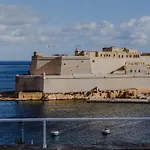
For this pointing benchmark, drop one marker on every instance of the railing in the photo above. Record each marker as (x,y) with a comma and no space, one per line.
(44,120)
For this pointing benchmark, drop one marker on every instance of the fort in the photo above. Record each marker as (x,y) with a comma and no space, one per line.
(113,68)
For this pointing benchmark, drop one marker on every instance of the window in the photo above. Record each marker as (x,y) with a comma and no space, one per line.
(96,54)
(130,56)
(134,70)
(139,71)
(101,55)
(122,56)
(93,60)
(82,61)
(64,64)
(130,71)
(114,55)
(127,56)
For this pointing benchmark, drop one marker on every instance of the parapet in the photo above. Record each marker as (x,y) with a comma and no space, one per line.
(119,50)
(145,54)
(38,54)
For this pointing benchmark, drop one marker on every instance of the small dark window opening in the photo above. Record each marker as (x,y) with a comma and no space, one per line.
(93,60)
(114,55)
(134,70)
(109,55)
(122,56)
(139,71)
(130,56)
(77,66)
(127,56)
(82,61)
(131,71)
(64,64)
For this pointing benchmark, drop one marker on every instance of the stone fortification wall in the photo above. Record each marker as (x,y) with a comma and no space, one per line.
(67,65)
(29,83)
(79,83)
(105,66)
(48,65)
(75,65)
(60,65)
(85,83)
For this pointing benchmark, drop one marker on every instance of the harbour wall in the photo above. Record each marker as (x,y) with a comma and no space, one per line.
(29,83)
(79,83)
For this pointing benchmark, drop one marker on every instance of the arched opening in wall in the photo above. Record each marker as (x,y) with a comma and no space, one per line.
(101,55)
(130,56)
(82,61)
(119,56)
(93,61)
(77,66)
(134,70)
(64,64)
(130,71)
(139,71)
(104,55)
(109,55)
(114,55)
(122,56)
(127,56)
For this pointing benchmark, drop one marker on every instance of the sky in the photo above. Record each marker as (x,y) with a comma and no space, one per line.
(61,26)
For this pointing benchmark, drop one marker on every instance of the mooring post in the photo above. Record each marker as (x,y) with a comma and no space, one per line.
(44,134)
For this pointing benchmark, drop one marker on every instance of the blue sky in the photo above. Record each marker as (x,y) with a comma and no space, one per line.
(30,25)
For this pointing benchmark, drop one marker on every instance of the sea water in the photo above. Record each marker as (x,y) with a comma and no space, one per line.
(89,132)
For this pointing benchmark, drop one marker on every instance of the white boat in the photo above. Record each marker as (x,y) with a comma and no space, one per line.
(55,133)
(105,132)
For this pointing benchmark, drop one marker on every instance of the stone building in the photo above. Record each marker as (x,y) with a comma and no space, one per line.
(112,68)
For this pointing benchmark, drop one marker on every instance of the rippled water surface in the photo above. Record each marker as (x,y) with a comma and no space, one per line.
(75,132)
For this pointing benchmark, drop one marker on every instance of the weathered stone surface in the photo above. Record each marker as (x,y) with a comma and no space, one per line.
(92,94)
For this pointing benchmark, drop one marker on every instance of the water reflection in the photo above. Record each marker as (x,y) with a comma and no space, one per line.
(75,132)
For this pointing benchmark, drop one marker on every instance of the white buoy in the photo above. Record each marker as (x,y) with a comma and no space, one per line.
(105,132)
(55,133)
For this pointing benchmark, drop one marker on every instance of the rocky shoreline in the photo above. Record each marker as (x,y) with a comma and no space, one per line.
(94,95)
